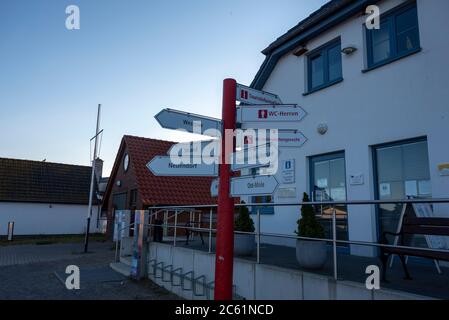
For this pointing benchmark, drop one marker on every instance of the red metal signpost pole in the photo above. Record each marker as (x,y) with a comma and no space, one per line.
(224,257)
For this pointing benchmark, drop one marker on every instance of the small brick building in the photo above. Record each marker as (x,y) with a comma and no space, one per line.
(132,186)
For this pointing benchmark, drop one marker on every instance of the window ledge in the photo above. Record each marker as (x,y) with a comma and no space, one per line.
(386,62)
(327,85)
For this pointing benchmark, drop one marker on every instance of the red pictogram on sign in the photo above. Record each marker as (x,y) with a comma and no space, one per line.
(263,114)
(244,94)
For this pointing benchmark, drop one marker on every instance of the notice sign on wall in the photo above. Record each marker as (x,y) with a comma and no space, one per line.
(288,171)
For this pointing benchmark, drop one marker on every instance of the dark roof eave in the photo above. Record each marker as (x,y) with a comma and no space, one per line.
(94,203)
(285,44)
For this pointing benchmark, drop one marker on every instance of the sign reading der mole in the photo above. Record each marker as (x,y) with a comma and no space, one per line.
(253,186)
(180,120)
(162,166)
(252,96)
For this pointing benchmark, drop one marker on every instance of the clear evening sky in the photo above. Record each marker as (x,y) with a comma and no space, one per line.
(135,57)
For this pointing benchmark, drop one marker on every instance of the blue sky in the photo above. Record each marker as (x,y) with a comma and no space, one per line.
(135,57)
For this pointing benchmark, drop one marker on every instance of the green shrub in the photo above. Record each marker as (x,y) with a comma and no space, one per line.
(308,225)
(244,223)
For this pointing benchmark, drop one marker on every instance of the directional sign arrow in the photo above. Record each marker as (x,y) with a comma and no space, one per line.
(162,166)
(194,123)
(195,148)
(249,95)
(249,158)
(270,113)
(285,139)
(289,139)
(252,186)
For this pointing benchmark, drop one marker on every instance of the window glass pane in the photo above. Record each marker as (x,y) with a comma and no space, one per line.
(334,57)
(262,210)
(406,21)
(411,188)
(389,164)
(337,179)
(317,70)
(402,170)
(381,43)
(416,161)
(329,184)
(424,188)
(322,181)
(407,41)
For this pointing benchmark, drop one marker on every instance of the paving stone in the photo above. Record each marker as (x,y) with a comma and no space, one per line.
(29,272)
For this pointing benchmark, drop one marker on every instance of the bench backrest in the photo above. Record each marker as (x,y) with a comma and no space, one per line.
(426,226)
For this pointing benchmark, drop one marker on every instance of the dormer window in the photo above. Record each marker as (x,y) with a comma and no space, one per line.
(324,66)
(397,37)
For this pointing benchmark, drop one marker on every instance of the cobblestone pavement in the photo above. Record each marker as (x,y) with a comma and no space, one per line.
(24,254)
(29,273)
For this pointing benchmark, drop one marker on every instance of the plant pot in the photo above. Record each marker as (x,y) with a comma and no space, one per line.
(244,244)
(311,254)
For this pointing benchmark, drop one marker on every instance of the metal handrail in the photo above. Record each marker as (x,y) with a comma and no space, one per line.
(329,203)
(258,234)
(281,235)
(334,240)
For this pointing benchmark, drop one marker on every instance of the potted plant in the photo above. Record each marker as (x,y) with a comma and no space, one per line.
(310,254)
(244,243)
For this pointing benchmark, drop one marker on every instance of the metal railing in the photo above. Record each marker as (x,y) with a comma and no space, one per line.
(258,234)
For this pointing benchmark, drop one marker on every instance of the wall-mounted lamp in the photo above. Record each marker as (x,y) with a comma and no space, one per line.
(300,51)
(349,50)
(322,128)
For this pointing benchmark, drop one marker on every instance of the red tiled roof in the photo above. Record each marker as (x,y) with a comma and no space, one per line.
(156,190)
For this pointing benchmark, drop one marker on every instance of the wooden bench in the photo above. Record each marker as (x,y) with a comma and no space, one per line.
(414,226)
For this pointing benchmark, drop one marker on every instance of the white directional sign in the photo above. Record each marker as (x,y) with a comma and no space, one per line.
(285,139)
(176,120)
(195,148)
(214,188)
(249,158)
(270,113)
(252,186)
(252,96)
(162,166)
(290,139)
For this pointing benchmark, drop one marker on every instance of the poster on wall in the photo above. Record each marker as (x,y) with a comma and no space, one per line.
(385,190)
(288,171)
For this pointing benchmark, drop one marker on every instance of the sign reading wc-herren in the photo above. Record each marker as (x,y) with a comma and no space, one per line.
(270,113)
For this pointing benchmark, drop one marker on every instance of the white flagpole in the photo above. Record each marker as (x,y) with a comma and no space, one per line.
(92,179)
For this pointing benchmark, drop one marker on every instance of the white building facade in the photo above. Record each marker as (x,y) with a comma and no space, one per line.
(385,107)
(43,198)
(47,219)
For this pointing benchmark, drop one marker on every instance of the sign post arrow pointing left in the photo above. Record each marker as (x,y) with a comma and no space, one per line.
(190,122)
(162,166)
